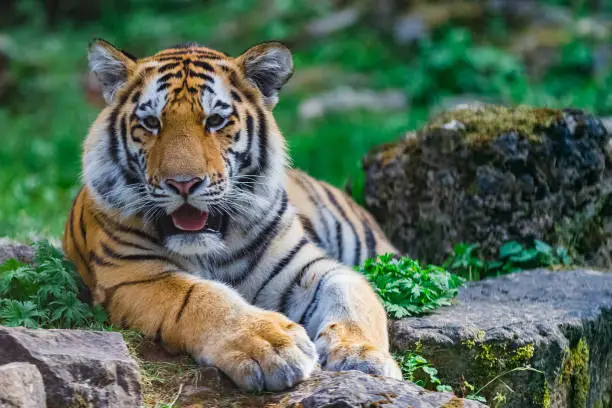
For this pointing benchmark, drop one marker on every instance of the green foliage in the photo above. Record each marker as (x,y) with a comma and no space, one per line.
(417,369)
(45,294)
(513,257)
(407,288)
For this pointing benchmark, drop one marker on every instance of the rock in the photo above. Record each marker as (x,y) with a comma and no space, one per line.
(345,98)
(324,389)
(79,368)
(489,174)
(336,21)
(21,386)
(13,250)
(558,322)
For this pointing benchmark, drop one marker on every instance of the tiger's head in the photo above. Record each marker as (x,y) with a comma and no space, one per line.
(187,138)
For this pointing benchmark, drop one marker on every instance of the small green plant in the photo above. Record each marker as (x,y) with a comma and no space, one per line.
(45,294)
(513,257)
(499,399)
(407,288)
(417,369)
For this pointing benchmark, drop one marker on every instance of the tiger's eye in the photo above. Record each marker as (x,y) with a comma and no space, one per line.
(151,123)
(215,120)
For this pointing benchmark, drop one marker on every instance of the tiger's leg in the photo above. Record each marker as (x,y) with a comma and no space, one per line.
(257,349)
(344,317)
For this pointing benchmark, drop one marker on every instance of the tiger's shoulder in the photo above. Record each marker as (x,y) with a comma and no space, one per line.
(334,221)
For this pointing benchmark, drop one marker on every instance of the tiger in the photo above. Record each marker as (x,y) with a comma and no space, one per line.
(192,228)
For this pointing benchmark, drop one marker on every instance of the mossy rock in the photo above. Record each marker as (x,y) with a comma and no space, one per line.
(491,174)
(541,339)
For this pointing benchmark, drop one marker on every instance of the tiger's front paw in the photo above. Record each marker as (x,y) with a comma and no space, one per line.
(266,351)
(339,353)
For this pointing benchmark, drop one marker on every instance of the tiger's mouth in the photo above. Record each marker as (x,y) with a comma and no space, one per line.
(188,219)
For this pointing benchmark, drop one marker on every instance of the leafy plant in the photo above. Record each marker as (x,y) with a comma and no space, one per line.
(407,288)
(417,369)
(45,294)
(513,257)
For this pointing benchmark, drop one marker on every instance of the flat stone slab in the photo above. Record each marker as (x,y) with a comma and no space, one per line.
(78,367)
(347,389)
(558,322)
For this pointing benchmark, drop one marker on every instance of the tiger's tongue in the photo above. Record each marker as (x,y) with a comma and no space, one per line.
(188,218)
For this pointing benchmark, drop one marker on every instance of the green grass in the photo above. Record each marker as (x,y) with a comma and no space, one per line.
(45,115)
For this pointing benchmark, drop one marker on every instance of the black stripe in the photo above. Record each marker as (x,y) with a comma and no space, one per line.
(116,239)
(204,65)
(124,135)
(369,238)
(312,306)
(296,281)
(163,86)
(336,204)
(113,145)
(222,104)
(261,238)
(93,257)
(128,230)
(280,266)
(110,292)
(310,230)
(136,257)
(314,197)
(185,301)
(168,76)
(245,156)
(236,96)
(339,240)
(263,140)
(179,54)
(82,228)
(200,75)
(136,97)
(168,67)
(114,142)
(209,89)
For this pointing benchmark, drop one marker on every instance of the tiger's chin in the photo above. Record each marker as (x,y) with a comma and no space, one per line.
(203,243)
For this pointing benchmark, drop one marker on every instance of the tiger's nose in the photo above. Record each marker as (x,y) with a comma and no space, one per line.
(184,188)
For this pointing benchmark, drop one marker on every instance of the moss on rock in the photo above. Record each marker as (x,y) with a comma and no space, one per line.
(485,124)
(493,174)
(576,373)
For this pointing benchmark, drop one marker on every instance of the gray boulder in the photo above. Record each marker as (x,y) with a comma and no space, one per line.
(79,368)
(21,386)
(491,174)
(347,389)
(559,323)
(13,250)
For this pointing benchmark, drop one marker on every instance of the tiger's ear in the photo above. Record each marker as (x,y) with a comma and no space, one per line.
(268,66)
(111,66)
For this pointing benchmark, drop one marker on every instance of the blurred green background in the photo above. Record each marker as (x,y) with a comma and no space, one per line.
(366,72)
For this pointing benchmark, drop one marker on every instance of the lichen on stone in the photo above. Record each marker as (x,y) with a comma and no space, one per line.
(576,373)
(497,357)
